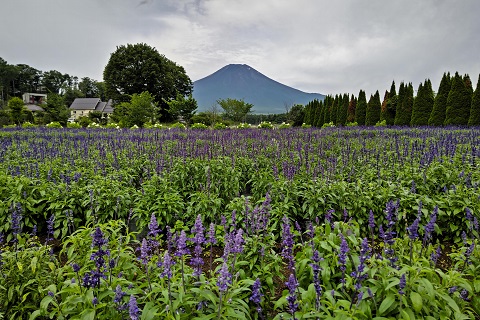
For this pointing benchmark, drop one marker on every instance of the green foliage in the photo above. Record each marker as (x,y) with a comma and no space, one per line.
(137,68)
(26,272)
(474,119)
(84,121)
(74,125)
(373,110)
(199,126)
(140,110)
(459,101)
(234,109)
(55,110)
(182,107)
(28,125)
(437,117)
(423,104)
(361,109)
(97,117)
(403,114)
(178,125)
(296,115)
(221,126)
(262,176)
(54,125)
(16,110)
(239,126)
(343,110)
(202,117)
(112,125)
(328,125)
(265,125)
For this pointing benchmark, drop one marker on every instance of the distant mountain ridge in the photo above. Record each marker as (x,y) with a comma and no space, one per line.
(240,81)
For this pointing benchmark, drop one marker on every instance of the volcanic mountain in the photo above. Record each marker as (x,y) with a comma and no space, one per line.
(239,81)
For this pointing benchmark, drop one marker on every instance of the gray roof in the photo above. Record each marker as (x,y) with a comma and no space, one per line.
(34,107)
(85,103)
(94,104)
(108,107)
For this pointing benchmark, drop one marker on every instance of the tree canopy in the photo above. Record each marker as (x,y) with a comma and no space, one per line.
(139,110)
(234,109)
(183,107)
(136,68)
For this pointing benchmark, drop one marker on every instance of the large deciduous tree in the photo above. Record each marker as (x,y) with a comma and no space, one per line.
(235,109)
(136,68)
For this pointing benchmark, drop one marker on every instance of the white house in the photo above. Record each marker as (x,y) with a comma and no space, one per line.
(81,107)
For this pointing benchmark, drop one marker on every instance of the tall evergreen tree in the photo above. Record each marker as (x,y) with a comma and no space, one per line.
(352,105)
(474,119)
(423,104)
(437,117)
(404,105)
(400,97)
(388,112)
(373,110)
(334,110)
(327,106)
(459,101)
(342,110)
(309,113)
(361,110)
(383,110)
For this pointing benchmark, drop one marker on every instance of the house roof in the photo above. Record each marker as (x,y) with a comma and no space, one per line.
(108,107)
(85,104)
(93,104)
(34,107)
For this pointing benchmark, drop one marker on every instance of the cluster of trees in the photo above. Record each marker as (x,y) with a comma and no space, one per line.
(455,103)
(61,88)
(21,78)
(138,69)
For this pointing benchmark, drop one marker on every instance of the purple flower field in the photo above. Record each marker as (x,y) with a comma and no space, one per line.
(332,223)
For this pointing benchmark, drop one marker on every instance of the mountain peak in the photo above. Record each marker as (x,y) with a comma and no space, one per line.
(240,81)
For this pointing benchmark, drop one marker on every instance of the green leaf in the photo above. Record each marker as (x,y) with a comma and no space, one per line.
(417,301)
(88,314)
(33,264)
(394,282)
(450,302)
(404,315)
(149,311)
(45,302)
(35,314)
(386,304)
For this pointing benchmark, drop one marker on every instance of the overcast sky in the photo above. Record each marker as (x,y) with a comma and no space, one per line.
(321,46)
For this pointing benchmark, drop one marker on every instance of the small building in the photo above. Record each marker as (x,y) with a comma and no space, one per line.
(34,98)
(33,101)
(81,107)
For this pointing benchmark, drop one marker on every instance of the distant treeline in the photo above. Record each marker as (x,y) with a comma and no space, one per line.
(455,103)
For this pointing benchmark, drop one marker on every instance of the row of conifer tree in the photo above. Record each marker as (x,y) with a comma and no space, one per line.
(455,103)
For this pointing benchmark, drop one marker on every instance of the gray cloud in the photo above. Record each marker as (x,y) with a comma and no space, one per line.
(316,46)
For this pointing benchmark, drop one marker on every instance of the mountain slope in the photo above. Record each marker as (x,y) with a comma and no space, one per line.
(239,81)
